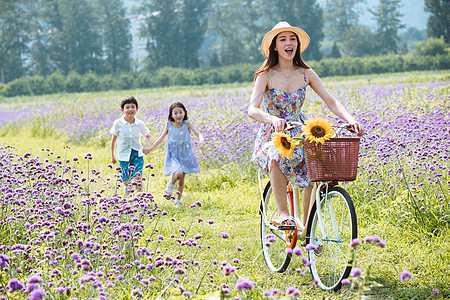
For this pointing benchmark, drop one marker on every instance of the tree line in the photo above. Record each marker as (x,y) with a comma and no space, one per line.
(41,37)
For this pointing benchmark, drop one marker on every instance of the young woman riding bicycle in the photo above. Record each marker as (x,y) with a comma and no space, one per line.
(277,98)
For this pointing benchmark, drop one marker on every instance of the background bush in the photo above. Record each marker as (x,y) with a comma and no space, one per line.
(429,55)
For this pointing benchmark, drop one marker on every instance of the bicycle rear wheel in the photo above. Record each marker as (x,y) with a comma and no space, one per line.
(335,234)
(274,242)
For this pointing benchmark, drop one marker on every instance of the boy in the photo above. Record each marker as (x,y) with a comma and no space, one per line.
(126,133)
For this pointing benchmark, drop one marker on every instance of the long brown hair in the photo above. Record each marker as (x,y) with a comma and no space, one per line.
(272,60)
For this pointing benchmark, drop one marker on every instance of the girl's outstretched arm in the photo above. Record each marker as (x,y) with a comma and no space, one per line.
(160,139)
(146,148)
(197,133)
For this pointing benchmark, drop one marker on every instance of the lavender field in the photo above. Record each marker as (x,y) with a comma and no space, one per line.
(68,231)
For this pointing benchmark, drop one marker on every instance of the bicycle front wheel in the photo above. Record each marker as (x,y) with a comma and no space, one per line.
(335,231)
(274,241)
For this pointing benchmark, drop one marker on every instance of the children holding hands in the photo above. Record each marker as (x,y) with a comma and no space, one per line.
(179,159)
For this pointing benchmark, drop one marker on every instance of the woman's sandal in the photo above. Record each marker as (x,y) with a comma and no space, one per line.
(283,226)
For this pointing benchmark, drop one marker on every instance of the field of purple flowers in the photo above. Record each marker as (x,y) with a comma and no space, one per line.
(68,232)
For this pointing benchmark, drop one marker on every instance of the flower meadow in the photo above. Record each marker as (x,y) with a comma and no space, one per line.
(69,232)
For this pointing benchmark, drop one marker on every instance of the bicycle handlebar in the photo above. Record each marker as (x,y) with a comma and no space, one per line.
(292,124)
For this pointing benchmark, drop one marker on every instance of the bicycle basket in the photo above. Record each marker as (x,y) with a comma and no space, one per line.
(336,159)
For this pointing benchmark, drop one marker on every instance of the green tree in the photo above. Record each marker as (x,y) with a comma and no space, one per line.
(161,32)
(116,36)
(306,14)
(52,25)
(432,47)
(234,27)
(438,23)
(14,36)
(388,22)
(192,25)
(75,41)
(341,15)
(359,41)
(40,61)
(335,53)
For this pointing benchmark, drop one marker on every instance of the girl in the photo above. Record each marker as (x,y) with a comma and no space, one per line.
(278,96)
(180,159)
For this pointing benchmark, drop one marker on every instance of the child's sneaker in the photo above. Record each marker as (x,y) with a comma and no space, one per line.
(169,187)
(178,202)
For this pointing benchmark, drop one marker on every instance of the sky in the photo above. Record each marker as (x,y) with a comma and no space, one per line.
(413,12)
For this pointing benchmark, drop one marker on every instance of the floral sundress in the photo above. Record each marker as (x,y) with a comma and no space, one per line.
(289,107)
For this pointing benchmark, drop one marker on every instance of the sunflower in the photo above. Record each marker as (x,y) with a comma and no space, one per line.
(284,144)
(317,130)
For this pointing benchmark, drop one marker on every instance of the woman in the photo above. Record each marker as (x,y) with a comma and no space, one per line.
(277,97)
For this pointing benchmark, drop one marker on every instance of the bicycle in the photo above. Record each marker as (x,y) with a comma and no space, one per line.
(331,221)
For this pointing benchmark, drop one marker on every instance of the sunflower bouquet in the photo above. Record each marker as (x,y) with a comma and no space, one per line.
(317,130)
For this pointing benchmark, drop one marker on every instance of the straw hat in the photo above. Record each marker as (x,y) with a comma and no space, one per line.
(280,27)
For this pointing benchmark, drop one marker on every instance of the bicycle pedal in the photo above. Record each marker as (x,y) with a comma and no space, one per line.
(287,227)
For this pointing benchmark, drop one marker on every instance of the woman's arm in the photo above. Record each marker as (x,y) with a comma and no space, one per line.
(331,102)
(197,133)
(254,110)
(160,139)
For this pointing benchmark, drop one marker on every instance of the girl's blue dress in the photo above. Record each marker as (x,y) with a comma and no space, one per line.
(179,154)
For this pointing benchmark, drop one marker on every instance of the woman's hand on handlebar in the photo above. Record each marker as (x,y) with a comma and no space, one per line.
(278,123)
(357,128)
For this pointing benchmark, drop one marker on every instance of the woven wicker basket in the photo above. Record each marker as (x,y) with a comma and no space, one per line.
(336,159)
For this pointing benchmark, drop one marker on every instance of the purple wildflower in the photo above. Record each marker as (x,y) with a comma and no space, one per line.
(298,251)
(14,285)
(187,294)
(179,271)
(228,269)
(306,262)
(37,294)
(244,284)
(405,274)
(345,281)
(356,272)
(34,279)
(137,293)
(292,291)
(355,242)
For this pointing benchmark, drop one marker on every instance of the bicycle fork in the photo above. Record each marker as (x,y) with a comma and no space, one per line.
(328,205)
